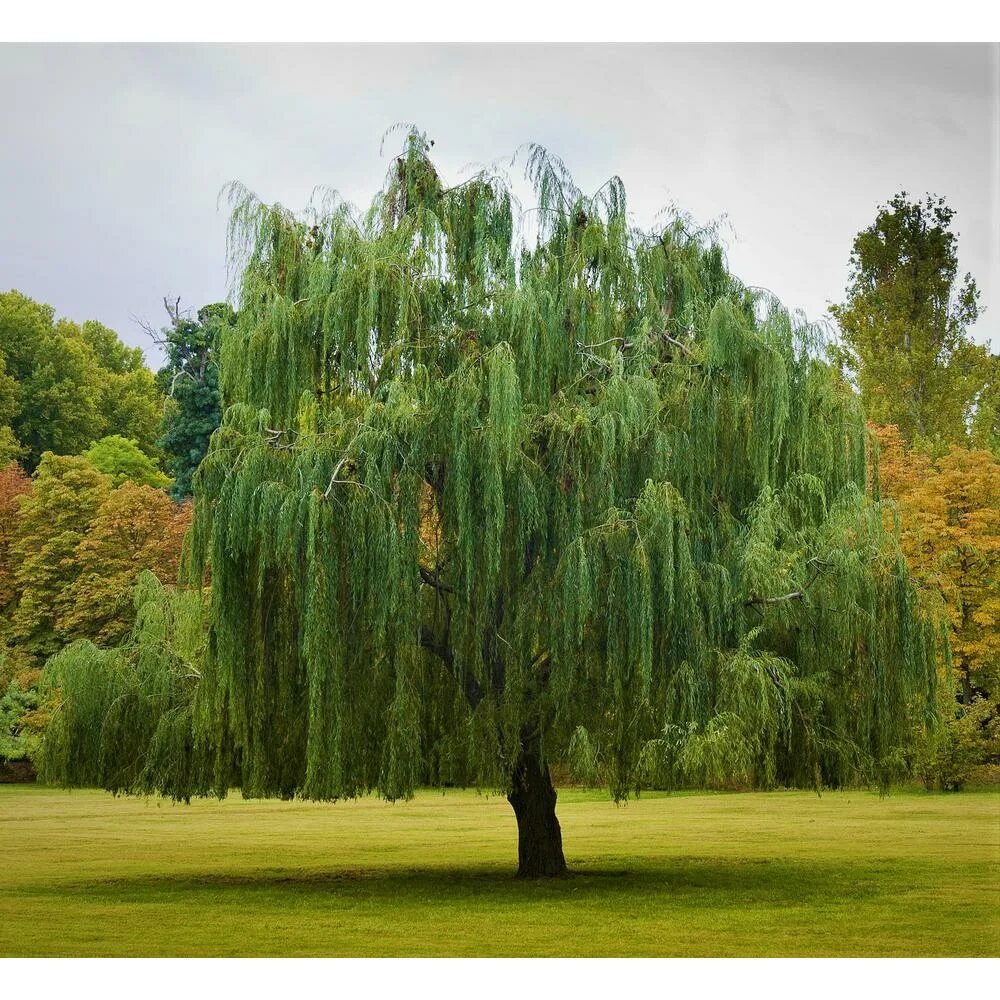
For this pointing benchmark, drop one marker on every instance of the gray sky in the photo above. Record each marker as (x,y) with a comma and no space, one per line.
(112,157)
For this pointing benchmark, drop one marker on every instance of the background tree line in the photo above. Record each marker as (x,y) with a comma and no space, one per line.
(933,397)
(96,458)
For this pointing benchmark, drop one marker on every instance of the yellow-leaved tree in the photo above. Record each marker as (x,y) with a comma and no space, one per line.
(949,512)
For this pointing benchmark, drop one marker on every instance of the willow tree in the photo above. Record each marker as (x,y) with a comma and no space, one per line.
(485,498)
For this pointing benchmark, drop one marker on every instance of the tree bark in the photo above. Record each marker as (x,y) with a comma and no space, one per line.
(539,839)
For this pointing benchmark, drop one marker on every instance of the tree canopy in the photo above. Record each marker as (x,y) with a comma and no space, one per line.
(122,459)
(136,529)
(905,326)
(950,514)
(486,496)
(14,484)
(63,385)
(52,521)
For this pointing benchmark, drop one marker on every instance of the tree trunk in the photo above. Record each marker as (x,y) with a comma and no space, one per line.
(966,688)
(539,839)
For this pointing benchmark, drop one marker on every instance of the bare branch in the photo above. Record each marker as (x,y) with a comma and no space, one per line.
(173,381)
(174,310)
(149,330)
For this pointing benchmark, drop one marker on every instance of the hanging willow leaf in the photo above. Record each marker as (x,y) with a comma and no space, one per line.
(479,489)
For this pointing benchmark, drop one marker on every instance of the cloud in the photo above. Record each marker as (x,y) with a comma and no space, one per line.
(114,155)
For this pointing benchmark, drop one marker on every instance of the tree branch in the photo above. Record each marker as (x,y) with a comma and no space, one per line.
(147,328)
(431,579)
(795,595)
(471,687)
(173,311)
(683,348)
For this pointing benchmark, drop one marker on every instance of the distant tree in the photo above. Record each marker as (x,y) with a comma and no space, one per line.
(190,379)
(51,522)
(481,502)
(74,384)
(141,690)
(951,754)
(136,528)
(58,376)
(121,459)
(18,672)
(19,740)
(986,422)
(10,449)
(131,403)
(904,324)
(949,512)
(10,406)
(14,485)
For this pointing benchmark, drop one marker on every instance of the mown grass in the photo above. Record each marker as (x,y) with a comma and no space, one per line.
(784,873)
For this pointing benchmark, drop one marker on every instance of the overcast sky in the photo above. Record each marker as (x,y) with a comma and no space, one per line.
(112,157)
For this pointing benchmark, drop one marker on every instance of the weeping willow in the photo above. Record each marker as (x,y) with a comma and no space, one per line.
(489,494)
(124,716)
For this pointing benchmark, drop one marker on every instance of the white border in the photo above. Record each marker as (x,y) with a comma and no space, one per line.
(511,21)
(502,979)
(506,21)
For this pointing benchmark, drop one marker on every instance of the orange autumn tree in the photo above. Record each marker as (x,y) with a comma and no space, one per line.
(949,510)
(949,516)
(72,547)
(136,528)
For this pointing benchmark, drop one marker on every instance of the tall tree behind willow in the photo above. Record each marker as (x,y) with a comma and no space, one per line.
(905,325)
(190,378)
(986,423)
(487,498)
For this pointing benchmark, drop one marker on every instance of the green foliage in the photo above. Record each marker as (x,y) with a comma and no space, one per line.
(122,459)
(904,325)
(10,449)
(74,384)
(51,522)
(476,483)
(58,377)
(17,742)
(10,405)
(131,403)
(949,755)
(10,402)
(190,378)
(986,422)
(123,712)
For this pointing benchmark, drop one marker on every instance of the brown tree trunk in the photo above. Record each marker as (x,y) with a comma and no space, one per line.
(539,839)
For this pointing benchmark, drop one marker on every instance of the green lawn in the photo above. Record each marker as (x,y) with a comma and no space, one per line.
(784,873)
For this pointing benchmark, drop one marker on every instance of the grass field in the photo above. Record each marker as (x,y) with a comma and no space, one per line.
(784,873)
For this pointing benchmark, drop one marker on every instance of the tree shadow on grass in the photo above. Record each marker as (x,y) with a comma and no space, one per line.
(696,881)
